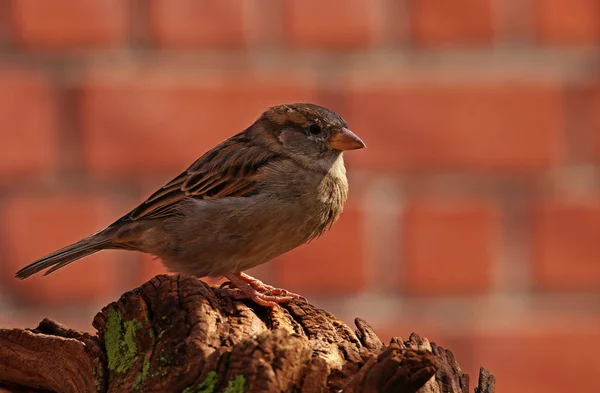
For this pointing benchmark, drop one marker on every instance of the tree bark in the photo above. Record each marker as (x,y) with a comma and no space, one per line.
(177,334)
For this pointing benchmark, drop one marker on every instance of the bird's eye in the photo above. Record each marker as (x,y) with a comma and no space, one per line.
(314,129)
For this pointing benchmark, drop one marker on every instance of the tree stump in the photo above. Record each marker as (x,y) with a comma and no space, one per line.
(177,334)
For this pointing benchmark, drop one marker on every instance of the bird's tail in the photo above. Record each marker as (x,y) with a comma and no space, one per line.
(90,245)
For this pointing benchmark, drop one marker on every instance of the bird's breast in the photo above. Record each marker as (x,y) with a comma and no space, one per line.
(234,234)
(332,194)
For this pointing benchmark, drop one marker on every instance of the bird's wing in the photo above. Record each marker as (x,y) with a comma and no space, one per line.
(228,170)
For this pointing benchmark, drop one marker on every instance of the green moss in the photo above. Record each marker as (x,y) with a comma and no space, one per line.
(119,340)
(207,386)
(97,368)
(98,371)
(236,385)
(131,328)
(141,376)
(145,368)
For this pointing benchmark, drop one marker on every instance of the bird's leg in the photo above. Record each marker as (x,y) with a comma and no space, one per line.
(243,290)
(250,288)
(267,289)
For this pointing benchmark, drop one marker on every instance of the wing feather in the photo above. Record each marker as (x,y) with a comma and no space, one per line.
(231,169)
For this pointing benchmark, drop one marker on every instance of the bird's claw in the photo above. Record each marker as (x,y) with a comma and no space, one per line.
(259,298)
(226,284)
(273,291)
(243,286)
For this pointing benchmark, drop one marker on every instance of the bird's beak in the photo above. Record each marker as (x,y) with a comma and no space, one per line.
(345,140)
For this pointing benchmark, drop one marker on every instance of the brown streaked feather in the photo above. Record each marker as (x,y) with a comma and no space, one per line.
(228,170)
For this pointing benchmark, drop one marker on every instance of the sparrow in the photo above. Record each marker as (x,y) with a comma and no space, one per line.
(266,190)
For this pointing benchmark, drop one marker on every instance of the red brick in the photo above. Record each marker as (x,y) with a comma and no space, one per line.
(33,226)
(29,124)
(566,250)
(24,318)
(198,23)
(332,265)
(448,246)
(334,24)
(575,22)
(405,327)
(5,6)
(456,23)
(145,124)
(453,127)
(541,358)
(64,24)
(591,114)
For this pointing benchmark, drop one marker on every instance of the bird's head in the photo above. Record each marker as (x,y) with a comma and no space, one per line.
(308,131)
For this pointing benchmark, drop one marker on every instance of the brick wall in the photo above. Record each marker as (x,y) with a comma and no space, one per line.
(474,216)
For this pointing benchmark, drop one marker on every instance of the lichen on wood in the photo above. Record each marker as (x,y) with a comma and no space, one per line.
(119,341)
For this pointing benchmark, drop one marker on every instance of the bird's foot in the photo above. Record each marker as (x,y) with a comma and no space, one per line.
(257,297)
(248,287)
(268,289)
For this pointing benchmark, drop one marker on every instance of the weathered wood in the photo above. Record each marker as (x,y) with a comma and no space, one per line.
(486,383)
(177,334)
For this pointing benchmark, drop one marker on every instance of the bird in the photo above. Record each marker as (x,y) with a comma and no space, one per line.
(274,186)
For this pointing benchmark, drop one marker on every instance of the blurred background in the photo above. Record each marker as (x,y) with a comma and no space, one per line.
(474,216)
